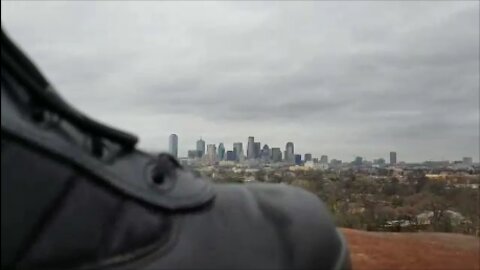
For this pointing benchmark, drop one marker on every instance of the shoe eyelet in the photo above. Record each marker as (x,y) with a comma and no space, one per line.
(158,178)
(159,175)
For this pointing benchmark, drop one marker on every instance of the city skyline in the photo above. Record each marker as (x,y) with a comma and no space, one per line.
(387,157)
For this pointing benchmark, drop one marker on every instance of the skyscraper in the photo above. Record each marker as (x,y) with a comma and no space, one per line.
(308,157)
(211,152)
(231,156)
(251,148)
(256,149)
(289,153)
(276,154)
(298,159)
(265,153)
(324,159)
(201,147)
(221,152)
(238,150)
(393,158)
(173,145)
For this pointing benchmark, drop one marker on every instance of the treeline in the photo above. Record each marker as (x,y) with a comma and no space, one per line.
(386,203)
(414,204)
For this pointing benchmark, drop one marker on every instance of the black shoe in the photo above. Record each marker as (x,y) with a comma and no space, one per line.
(78,195)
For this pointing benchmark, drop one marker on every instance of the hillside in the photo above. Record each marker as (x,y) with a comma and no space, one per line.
(380,251)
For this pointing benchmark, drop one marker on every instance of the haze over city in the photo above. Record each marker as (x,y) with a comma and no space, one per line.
(341,79)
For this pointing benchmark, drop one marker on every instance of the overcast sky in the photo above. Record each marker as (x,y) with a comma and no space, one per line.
(342,79)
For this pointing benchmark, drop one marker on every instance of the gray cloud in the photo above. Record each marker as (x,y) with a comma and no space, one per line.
(341,79)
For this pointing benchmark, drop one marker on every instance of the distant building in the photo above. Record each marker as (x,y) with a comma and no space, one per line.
(324,159)
(379,161)
(256,149)
(226,163)
(238,150)
(335,162)
(393,158)
(298,159)
(173,145)
(211,152)
(276,154)
(308,157)
(251,148)
(192,154)
(230,156)
(358,161)
(436,164)
(455,218)
(221,152)
(265,153)
(289,153)
(315,166)
(467,160)
(315,160)
(201,147)
(299,168)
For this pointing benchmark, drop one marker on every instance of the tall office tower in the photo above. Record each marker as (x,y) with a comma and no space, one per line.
(173,145)
(308,157)
(298,159)
(201,147)
(467,160)
(230,156)
(289,153)
(265,153)
(257,150)
(221,152)
(276,154)
(211,152)
(324,159)
(393,158)
(251,148)
(238,150)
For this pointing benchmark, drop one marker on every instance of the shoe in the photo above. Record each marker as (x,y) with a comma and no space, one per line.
(77,194)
